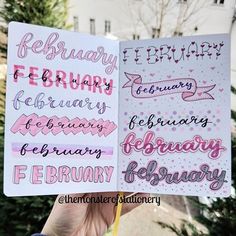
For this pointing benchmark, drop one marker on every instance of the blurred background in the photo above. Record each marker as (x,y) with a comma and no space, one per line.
(127,20)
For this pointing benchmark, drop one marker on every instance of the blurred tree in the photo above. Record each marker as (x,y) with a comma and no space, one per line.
(51,13)
(186,229)
(161,18)
(25,215)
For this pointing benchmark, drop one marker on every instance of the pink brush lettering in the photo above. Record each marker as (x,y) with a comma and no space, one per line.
(34,124)
(148,145)
(52,48)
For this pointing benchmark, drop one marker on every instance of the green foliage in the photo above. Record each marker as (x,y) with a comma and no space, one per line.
(233,90)
(184,229)
(51,13)
(233,115)
(25,215)
(220,217)
(2,108)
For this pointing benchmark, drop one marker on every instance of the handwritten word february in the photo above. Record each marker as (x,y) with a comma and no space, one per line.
(41,101)
(153,176)
(46,150)
(62,174)
(148,145)
(35,124)
(187,86)
(153,121)
(156,54)
(53,48)
(66,80)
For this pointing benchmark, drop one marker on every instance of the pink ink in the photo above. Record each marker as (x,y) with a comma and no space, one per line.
(52,48)
(88,174)
(33,75)
(186,86)
(108,171)
(63,174)
(77,175)
(17,72)
(97,84)
(98,175)
(149,144)
(47,78)
(34,124)
(61,78)
(51,175)
(36,174)
(18,173)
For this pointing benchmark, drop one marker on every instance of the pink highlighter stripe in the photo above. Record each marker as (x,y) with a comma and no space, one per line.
(79,151)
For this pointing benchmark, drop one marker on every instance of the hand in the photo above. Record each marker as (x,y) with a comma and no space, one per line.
(84,219)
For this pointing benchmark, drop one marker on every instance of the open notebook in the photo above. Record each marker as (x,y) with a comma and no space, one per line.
(89,114)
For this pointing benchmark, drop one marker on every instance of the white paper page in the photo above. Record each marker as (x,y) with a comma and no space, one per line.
(61,112)
(174,117)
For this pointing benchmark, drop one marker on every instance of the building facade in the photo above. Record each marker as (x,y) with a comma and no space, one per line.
(141,19)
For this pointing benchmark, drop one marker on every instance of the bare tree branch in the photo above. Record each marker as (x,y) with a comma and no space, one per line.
(167,17)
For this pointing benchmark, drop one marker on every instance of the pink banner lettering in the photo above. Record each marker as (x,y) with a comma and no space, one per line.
(186,86)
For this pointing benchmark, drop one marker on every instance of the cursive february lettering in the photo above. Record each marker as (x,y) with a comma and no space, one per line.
(53,48)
